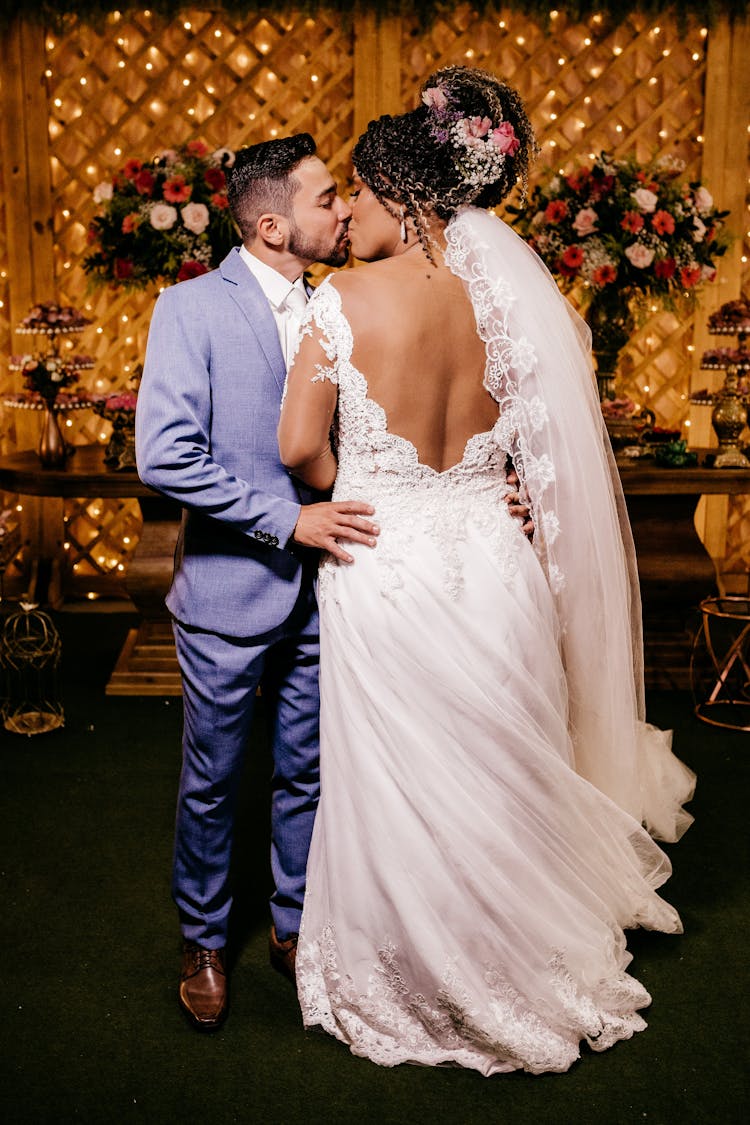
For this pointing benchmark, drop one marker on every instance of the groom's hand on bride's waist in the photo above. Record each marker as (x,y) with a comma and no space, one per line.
(324,525)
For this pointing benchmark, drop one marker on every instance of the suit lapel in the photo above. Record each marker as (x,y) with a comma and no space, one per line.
(252,301)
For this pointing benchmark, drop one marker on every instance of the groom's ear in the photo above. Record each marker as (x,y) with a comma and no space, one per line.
(272,228)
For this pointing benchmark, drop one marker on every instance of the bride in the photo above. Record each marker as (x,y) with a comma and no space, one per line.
(486,769)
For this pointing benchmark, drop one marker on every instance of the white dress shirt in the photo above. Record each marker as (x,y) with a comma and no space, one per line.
(276,288)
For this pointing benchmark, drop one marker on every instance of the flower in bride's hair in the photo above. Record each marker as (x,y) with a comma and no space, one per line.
(435,99)
(505,140)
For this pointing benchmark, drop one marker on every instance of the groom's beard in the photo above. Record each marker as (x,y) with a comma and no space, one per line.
(328,255)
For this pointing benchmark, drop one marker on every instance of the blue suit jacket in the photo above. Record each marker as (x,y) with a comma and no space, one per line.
(206,422)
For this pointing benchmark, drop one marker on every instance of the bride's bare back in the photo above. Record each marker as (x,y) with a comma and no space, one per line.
(416,343)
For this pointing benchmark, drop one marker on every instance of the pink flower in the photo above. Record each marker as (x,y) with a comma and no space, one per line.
(478,126)
(639,255)
(163,217)
(585,221)
(434,98)
(195,217)
(505,140)
(704,201)
(645,199)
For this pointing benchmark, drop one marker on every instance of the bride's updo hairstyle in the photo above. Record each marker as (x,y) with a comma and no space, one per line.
(468,142)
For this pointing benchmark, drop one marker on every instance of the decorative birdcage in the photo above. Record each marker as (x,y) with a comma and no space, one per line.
(30,651)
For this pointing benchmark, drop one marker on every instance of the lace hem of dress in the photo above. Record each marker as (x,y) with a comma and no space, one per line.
(391,1022)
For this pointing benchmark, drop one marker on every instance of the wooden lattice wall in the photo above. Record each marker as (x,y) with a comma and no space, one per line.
(139,85)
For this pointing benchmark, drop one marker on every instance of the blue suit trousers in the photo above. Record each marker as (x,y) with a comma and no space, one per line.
(220,677)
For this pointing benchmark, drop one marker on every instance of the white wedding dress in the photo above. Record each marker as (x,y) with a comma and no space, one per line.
(467,887)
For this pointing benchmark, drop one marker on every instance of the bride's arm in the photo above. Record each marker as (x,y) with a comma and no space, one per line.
(307,415)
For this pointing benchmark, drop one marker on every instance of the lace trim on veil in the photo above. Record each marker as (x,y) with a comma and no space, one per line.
(509,361)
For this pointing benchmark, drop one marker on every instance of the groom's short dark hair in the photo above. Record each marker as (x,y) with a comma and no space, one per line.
(262,179)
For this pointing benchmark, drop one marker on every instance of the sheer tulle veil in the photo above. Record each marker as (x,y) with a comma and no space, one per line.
(539,369)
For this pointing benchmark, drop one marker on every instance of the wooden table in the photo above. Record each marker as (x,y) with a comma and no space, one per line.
(675,570)
(147,664)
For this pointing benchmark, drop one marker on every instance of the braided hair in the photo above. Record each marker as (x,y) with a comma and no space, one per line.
(468,142)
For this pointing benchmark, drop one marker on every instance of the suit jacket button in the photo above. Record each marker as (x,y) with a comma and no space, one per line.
(258,534)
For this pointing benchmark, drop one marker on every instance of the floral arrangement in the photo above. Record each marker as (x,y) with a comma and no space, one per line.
(166,219)
(617,225)
(480,150)
(47,375)
(50,319)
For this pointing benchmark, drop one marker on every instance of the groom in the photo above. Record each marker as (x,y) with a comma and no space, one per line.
(242,597)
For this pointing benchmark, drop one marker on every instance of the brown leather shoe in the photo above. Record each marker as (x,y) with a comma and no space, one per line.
(204,993)
(283,955)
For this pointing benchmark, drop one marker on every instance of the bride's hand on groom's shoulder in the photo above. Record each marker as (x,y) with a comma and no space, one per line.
(323,525)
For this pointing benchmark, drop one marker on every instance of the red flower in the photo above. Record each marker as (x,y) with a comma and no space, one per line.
(662,222)
(176,190)
(130,222)
(650,186)
(578,179)
(92,235)
(215,179)
(571,261)
(219,201)
(191,269)
(632,221)
(556,210)
(601,185)
(604,275)
(690,276)
(144,182)
(664,268)
(123,268)
(197,148)
(131,169)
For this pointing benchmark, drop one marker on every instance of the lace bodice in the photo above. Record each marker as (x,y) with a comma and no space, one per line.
(384,469)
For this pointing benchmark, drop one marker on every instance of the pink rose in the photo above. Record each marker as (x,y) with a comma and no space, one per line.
(505,140)
(704,201)
(645,199)
(639,255)
(163,217)
(195,217)
(585,221)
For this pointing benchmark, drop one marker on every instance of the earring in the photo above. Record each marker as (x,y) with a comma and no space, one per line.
(403,225)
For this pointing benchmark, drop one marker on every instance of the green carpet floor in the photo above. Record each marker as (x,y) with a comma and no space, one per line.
(90,1028)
